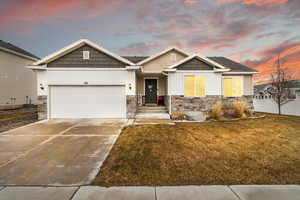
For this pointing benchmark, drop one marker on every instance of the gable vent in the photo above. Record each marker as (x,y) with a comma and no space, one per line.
(86,55)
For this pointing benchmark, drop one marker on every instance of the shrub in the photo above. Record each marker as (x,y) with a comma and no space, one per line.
(178,116)
(240,109)
(216,111)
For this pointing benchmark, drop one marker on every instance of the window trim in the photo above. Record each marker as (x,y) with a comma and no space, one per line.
(232,77)
(194,85)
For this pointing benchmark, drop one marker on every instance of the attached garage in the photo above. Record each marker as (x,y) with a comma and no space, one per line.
(99,101)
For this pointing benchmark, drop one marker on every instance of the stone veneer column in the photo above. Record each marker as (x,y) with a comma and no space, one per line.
(131,103)
(42,107)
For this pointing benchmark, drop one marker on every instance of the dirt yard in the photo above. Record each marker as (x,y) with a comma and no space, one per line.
(10,119)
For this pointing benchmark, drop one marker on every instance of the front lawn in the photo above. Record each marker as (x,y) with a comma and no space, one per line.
(253,151)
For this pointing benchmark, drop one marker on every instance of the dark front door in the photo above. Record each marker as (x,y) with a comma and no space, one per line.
(151,91)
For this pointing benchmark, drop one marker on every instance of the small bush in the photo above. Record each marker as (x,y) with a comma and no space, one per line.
(240,109)
(216,111)
(178,116)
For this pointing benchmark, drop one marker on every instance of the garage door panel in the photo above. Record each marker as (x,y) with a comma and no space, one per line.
(87,102)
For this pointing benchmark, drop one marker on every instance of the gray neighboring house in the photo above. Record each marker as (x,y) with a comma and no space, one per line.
(263,101)
(18,84)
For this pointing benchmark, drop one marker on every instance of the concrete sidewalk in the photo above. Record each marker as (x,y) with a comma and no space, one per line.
(236,192)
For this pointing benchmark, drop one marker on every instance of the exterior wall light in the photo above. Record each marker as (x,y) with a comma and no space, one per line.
(42,87)
(130,86)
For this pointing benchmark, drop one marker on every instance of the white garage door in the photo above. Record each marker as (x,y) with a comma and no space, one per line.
(87,102)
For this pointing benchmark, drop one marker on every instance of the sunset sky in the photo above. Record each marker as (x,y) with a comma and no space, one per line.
(252,32)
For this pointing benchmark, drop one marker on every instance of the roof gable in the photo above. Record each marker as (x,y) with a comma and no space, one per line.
(195,64)
(97,59)
(162,53)
(201,58)
(77,45)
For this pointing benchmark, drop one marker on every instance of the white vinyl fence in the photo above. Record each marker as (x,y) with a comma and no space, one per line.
(267,104)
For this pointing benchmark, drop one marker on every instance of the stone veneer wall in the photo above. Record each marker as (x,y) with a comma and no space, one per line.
(42,107)
(167,99)
(204,104)
(131,102)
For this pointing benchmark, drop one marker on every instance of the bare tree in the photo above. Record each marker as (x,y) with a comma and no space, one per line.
(280,89)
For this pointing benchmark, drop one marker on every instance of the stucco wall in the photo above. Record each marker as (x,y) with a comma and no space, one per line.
(16,81)
(248,85)
(213,82)
(91,77)
(162,62)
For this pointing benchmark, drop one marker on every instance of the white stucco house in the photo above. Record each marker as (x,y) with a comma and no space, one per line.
(84,80)
(17,83)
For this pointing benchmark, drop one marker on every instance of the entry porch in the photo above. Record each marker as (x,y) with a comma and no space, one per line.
(152,89)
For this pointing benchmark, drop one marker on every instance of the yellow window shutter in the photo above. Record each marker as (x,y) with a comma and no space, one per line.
(189,86)
(227,87)
(237,87)
(199,86)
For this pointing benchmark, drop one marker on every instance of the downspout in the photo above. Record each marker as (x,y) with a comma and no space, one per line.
(169,96)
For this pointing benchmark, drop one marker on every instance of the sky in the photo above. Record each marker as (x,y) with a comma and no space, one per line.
(252,32)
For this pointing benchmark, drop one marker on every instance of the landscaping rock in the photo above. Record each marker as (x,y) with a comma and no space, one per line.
(195,116)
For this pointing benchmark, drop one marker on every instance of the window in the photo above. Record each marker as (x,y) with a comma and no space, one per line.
(194,86)
(232,87)
(86,55)
(173,57)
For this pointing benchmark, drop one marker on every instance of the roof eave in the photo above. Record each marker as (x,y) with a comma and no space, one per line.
(35,67)
(76,45)
(135,67)
(241,72)
(19,54)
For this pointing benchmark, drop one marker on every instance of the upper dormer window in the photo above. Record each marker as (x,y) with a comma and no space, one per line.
(173,57)
(86,55)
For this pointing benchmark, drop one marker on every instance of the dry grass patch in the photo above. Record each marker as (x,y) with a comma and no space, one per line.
(256,151)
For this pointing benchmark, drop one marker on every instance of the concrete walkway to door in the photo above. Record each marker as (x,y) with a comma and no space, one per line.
(56,152)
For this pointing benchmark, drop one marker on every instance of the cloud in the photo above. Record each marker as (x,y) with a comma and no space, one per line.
(289,52)
(190,1)
(140,49)
(37,10)
(255,2)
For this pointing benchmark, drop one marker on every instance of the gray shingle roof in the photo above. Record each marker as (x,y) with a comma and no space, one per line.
(234,66)
(135,59)
(293,84)
(16,49)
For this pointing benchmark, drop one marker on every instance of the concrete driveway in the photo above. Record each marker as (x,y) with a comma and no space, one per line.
(56,152)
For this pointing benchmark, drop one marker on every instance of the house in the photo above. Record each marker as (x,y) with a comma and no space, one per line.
(84,80)
(264,102)
(17,83)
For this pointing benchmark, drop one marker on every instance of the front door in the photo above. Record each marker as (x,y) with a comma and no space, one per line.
(150,90)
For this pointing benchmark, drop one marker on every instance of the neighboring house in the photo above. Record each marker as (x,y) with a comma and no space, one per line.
(263,101)
(84,80)
(17,83)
